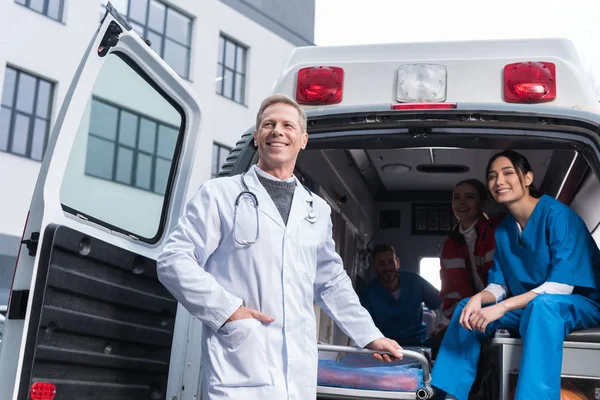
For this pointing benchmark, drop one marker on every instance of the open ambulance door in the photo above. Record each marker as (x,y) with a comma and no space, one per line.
(87,316)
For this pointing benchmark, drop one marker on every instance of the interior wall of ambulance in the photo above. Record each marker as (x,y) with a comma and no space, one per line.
(409,248)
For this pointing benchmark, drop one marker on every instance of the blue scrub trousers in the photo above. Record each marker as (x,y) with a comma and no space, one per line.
(543,325)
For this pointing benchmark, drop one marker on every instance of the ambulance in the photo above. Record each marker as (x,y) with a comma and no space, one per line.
(391,129)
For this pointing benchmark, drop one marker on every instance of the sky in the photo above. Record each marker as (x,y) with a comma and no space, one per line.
(344,22)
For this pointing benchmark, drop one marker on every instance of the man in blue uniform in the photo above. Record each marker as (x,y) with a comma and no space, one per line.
(394,299)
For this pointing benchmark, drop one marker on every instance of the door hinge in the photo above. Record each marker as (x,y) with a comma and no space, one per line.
(18,304)
(32,243)
(110,39)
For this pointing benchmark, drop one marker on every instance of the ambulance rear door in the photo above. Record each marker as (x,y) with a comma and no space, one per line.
(87,317)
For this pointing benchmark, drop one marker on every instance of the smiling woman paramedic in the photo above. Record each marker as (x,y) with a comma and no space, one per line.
(548,262)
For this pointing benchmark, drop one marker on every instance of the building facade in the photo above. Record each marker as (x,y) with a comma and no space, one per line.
(229,51)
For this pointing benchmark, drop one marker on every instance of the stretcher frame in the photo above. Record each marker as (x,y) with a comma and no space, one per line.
(330,392)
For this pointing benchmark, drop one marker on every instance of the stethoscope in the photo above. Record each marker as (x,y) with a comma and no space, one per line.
(246,193)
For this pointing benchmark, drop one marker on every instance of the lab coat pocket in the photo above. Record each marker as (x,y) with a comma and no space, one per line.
(239,355)
(308,245)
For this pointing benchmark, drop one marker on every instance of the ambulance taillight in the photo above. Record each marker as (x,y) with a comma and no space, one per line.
(42,391)
(320,85)
(529,82)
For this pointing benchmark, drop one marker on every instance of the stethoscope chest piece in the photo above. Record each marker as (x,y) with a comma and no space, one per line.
(311,217)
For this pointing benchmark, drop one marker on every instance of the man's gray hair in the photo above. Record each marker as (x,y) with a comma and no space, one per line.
(280,99)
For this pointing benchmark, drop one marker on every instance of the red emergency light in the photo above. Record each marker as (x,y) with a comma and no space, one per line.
(423,106)
(320,85)
(42,391)
(529,82)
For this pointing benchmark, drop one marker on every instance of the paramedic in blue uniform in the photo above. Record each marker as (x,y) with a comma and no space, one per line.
(394,299)
(544,282)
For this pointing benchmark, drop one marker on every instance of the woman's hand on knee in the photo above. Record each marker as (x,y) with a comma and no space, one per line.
(472,306)
(483,317)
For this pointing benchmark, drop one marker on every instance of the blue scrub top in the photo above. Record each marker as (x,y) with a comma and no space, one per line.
(555,246)
(401,319)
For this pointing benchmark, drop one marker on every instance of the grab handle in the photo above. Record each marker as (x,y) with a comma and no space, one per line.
(407,353)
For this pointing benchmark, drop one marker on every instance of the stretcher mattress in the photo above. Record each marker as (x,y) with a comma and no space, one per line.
(361,371)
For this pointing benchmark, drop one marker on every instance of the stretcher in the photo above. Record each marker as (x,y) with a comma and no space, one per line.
(343,376)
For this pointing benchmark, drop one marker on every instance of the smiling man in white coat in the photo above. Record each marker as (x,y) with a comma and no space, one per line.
(249,257)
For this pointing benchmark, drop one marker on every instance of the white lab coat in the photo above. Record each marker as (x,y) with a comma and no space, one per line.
(281,275)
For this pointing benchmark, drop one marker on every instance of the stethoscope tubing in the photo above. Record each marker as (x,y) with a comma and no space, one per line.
(246,192)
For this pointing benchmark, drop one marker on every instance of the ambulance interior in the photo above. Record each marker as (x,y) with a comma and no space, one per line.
(402,197)
(396,188)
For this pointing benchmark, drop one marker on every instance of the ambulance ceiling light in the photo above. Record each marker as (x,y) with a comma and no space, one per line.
(396,169)
(442,168)
(421,83)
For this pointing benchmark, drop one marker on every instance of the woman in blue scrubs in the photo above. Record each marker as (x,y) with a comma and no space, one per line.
(545,282)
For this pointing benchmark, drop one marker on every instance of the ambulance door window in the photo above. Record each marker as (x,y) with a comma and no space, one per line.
(123,156)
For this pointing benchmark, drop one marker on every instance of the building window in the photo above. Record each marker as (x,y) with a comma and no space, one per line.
(429,269)
(50,8)
(231,71)
(25,114)
(168,30)
(129,148)
(219,156)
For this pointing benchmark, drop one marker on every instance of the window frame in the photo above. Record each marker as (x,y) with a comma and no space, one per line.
(32,116)
(135,150)
(163,35)
(219,147)
(222,68)
(44,12)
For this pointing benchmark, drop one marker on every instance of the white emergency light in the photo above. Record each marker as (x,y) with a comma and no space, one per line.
(421,83)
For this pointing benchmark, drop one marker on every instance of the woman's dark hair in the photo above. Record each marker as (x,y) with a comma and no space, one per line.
(520,164)
(477,185)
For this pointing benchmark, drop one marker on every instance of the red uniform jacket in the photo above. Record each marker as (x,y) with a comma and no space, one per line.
(455,269)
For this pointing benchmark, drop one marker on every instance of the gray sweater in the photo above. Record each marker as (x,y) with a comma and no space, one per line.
(282,194)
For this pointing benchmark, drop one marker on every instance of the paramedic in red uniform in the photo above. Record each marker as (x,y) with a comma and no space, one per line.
(467,253)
